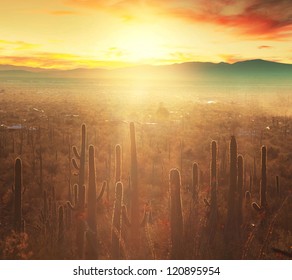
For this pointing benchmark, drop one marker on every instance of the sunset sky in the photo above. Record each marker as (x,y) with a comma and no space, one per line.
(68,34)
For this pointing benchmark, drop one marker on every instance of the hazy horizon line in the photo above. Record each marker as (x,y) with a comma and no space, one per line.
(131,65)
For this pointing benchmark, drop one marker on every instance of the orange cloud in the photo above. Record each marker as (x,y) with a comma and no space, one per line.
(257,19)
(249,22)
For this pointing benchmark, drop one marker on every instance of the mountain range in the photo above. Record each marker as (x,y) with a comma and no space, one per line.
(243,70)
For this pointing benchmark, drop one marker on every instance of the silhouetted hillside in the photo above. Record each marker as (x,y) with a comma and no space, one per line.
(251,70)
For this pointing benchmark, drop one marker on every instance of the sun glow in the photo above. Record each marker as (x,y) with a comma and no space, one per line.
(142,44)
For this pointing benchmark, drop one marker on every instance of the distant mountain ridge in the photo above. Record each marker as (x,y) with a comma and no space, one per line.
(249,69)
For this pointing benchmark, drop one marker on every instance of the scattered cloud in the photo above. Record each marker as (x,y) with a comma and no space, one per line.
(115,53)
(179,56)
(17,45)
(60,61)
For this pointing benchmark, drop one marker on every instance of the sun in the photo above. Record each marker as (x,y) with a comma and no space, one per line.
(143,44)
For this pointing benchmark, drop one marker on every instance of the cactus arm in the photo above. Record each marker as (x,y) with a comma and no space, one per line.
(71,206)
(125,216)
(76,153)
(256,207)
(75,164)
(144,219)
(103,188)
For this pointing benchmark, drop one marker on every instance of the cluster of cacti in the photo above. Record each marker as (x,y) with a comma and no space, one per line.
(120,210)
(56,217)
(86,230)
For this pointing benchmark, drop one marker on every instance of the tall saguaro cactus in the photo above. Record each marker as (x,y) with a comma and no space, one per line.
(80,206)
(18,222)
(263,177)
(240,187)
(92,252)
(213,183)
(118,163)
(263,187)
(232,225)
(135,217)
(195,181)
(61,227)
(232,185)
(214,175)
(176,217)
(117,223)
(81,167)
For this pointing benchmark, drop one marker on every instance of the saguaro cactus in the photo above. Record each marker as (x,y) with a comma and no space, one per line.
(263,177)
(232,224)
(80,206)
(18,222)
(81,167)
(61,227)
(231,213)
(41,168)
(277,185)
(44,215)
(263,187)
(195,181)
(239,187)
(117,222)
(213,176)
(135,217)
(213,183)
(176,217)
(118,163)
(92,251)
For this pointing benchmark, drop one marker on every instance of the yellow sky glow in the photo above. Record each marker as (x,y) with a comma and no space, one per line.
(67,34)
